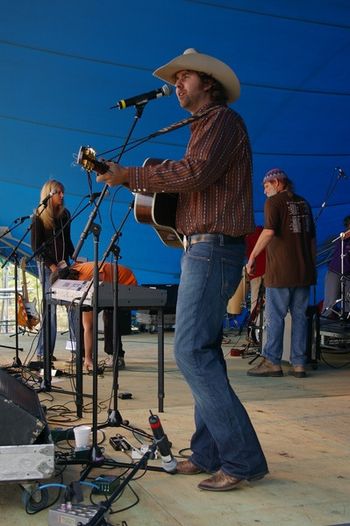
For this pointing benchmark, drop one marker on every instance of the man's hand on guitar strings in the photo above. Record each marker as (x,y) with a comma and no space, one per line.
(115,175)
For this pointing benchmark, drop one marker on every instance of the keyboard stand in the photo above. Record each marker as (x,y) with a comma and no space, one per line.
(79,395)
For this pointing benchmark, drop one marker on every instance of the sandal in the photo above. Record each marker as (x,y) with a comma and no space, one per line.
(89,369)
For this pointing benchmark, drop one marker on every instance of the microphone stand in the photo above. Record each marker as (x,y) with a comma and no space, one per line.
(19,221)
(329,194)
(114,416)
(14,254)
(323,206)
(96,457)
(87,228)
(16,360)
(46,309)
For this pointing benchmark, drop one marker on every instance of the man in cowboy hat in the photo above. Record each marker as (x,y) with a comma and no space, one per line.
(289,239)
(214,212)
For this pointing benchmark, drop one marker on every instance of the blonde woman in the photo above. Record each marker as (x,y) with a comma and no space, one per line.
(51,230)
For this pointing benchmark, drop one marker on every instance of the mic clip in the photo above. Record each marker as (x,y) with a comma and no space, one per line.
(47,198)
(341,173)
(93,196)
(21,219)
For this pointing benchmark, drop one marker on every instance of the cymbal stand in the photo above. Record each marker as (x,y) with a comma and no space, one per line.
(343,279)
(343,316)
(339,175)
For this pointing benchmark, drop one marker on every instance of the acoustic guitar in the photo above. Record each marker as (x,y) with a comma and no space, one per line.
(155,209)
(27,314)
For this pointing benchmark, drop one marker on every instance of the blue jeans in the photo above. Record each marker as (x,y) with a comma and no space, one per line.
(224,437)
(278,302)
(53,317)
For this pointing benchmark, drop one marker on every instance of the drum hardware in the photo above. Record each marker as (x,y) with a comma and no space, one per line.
(255,327)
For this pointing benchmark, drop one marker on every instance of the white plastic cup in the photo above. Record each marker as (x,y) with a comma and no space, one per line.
(82,436)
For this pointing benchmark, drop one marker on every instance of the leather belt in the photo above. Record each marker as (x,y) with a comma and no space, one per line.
(220,239)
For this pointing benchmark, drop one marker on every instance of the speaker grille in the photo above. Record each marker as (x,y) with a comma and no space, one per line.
(21,416)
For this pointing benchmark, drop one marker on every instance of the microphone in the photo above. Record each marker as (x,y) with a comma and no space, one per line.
(48,197)
(164,91)
(341,173)
(169,463)
(23,218)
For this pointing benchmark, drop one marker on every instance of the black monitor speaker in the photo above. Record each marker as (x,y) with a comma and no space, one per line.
(22,418)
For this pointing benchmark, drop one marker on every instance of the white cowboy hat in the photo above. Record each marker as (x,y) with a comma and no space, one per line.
(195,61)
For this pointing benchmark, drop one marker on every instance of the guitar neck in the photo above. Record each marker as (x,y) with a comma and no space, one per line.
(100,167)
(25,286)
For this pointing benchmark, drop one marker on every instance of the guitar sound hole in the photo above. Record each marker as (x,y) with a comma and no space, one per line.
(165,209)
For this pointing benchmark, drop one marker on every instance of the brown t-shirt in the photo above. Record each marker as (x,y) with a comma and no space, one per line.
(289,256)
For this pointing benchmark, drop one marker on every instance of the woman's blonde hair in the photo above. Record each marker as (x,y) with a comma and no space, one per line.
(48,213)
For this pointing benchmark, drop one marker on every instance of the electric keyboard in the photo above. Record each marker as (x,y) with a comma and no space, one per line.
(67,291)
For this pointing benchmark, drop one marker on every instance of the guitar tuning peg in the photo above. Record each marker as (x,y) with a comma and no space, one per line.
(87,158)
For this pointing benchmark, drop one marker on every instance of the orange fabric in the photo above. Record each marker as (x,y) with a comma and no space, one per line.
(86,272)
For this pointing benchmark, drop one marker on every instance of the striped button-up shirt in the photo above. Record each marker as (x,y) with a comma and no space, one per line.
(213,180)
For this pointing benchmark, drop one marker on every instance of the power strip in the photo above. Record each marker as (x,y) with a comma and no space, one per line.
(64,515)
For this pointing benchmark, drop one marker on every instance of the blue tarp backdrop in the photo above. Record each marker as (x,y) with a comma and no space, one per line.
(65,63)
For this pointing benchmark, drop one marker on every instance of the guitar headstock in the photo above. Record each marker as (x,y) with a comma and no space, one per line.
(87,158)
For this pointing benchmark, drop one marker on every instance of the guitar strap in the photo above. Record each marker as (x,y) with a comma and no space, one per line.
(183,122)
(162,131)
